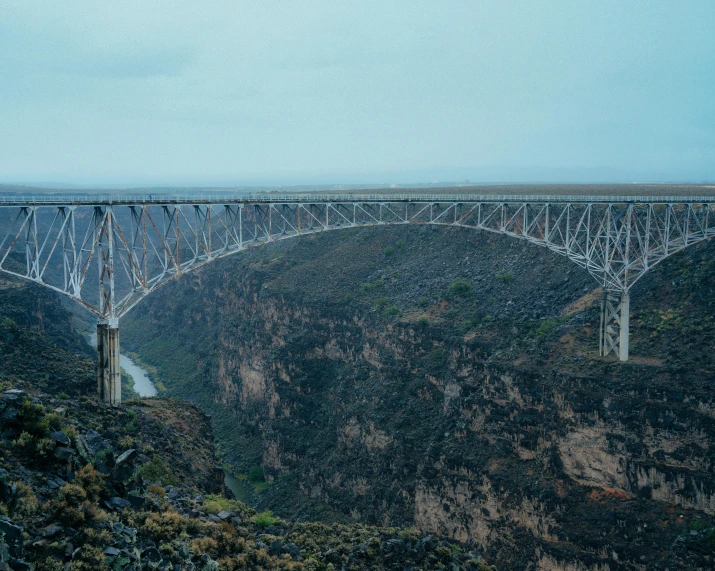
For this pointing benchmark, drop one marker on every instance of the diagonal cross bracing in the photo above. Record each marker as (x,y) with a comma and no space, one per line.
(152,240)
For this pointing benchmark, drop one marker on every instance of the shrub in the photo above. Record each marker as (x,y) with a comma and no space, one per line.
(156,471)
(126,442)
(460,288)
(265,519)
(255,475)
(164,526)
(90,559)
(27,503)
(91,481)
(506,277)
(50,564)
(204,545)
(133,424)
(547,326)
(391,311)
(71,506)
(423,302)
(158,490)
(33,419)
(389,251)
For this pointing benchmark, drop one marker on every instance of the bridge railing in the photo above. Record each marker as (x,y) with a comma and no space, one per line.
(106,199)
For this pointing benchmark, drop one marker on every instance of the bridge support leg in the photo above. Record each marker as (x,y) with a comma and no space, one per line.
(615,327)
(109,376)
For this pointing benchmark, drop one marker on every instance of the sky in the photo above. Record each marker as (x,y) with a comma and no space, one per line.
(325,92)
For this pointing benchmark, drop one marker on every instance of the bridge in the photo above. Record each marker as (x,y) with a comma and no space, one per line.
(138,243)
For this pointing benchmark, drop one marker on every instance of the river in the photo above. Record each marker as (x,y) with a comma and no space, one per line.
(142,384)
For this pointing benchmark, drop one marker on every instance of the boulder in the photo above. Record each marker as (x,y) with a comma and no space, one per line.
(51,530)
(292,549)
(137,499)
(117,503)
(12,536)
(151,554)
(94,442)
(63,453)
(124,467)
(60,437)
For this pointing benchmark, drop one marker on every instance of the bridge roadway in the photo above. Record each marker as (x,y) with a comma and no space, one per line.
(142,241)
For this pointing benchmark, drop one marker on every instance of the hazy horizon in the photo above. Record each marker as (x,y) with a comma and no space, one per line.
(274,93)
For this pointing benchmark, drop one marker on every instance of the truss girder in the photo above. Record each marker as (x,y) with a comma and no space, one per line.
(139,247)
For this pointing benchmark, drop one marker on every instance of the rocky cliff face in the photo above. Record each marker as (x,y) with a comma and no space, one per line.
(450,380)
(88,487)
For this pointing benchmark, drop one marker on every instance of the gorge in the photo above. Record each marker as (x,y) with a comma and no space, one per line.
(449,380)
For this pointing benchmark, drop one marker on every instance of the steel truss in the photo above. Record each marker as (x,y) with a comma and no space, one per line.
(139,246)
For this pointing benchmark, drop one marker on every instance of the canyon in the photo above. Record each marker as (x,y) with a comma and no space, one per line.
(450,380)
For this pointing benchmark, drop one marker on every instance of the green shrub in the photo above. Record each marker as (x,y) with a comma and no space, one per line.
(255,475)
(33,419)
(89,559)
(506,277)
(165,526)
(91,481)
(72,506)
(265,519)
(389,251)
(460,288)
(156,471)
(391,311)
(547,326)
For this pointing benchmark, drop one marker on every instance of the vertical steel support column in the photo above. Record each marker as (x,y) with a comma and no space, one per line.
(615,318)
(109,377)
(624,316)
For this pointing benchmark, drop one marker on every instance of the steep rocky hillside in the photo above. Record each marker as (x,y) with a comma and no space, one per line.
(87,487)
(450,380)
(39,341)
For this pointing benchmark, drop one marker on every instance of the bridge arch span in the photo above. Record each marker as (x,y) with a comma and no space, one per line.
(137,244)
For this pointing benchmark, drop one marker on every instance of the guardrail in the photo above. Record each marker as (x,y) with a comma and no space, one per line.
(109,199)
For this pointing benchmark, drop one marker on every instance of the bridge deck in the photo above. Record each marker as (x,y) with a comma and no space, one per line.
(238,198)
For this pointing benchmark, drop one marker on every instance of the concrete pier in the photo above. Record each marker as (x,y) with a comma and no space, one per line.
(109,376)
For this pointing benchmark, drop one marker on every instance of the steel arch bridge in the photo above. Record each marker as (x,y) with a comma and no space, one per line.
(138,243)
